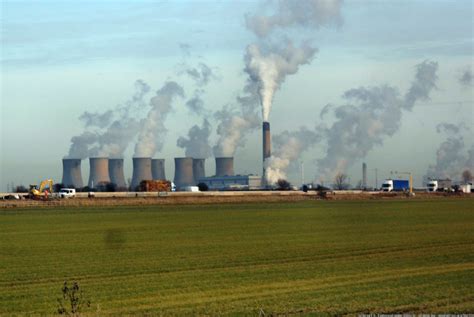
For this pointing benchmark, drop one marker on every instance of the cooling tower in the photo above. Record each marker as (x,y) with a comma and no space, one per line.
(224,166)
(72,176)
(199,170)
(158,169)
(99,171)
(141,171)
(364,175)
(183,171)
(116,173)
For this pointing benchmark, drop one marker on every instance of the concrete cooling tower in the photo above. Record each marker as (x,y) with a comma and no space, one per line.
(72,175)
(116,173)
(99,171)
(224,166)
(199,170)
(183,172)
(158,169)
(141,171)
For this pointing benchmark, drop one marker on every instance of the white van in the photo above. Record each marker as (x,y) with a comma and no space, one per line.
(67,193)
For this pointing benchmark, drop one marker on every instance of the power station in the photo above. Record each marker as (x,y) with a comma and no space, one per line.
(188,171)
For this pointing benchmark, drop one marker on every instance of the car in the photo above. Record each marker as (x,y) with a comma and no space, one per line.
(67,193)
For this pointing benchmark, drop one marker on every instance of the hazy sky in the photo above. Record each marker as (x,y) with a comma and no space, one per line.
(61,58)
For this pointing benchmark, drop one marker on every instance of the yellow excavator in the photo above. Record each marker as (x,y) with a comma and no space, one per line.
(42,192)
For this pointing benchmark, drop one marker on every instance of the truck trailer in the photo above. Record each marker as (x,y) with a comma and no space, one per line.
(440,185)
(396,185)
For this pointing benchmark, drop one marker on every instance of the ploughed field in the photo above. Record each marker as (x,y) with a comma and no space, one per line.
(242,259)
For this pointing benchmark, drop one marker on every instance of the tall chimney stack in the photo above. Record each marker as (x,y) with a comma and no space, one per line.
(364,175)
(158,169)
(199,170)
(183,171)
(99,171)
(267,145)
(116,173)
(72,175)
(224,166)
(141,171)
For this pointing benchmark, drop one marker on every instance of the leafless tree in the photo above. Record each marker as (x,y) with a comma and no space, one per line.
(340,181)
(467,176)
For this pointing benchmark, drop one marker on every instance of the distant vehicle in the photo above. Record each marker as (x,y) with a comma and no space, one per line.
(396,185)
(43,191)
(193,189)
(466,188)
(440,185)
(67,193)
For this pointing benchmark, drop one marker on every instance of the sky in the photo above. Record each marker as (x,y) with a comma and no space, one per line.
(60,59)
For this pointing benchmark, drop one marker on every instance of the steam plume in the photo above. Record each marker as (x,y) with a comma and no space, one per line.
(197,143)
(269,60)
(113,129)
(269,66)
(307,14)
(451,157)
(370,115)
(153,130)
(289,147)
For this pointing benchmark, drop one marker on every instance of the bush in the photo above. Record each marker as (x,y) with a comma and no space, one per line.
(203,187)
(21,189)
(72,300)
(283,184)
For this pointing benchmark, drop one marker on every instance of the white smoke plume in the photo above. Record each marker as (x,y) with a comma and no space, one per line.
(269,66)
(236,122)
(112,130)
(289,147)
(197,143)
(270,60)
(370,116)
(305,14)
(451,157)
(153,130)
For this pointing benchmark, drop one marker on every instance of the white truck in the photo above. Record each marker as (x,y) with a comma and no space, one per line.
(440,185)
(67,193)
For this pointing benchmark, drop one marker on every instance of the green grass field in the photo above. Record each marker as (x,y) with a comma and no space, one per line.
(337,257)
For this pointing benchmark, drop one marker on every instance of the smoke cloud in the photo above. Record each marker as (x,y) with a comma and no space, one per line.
(270,60)
(197,143)
(269,66)
(235,122)
(308,14)
(268,63)
(113,130)
(289,147)
(370,115)
(451,157)
(153,130)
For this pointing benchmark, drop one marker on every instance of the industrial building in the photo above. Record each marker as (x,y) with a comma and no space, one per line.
(236,182)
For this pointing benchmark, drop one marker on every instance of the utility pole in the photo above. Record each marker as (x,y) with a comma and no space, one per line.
(376,177)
